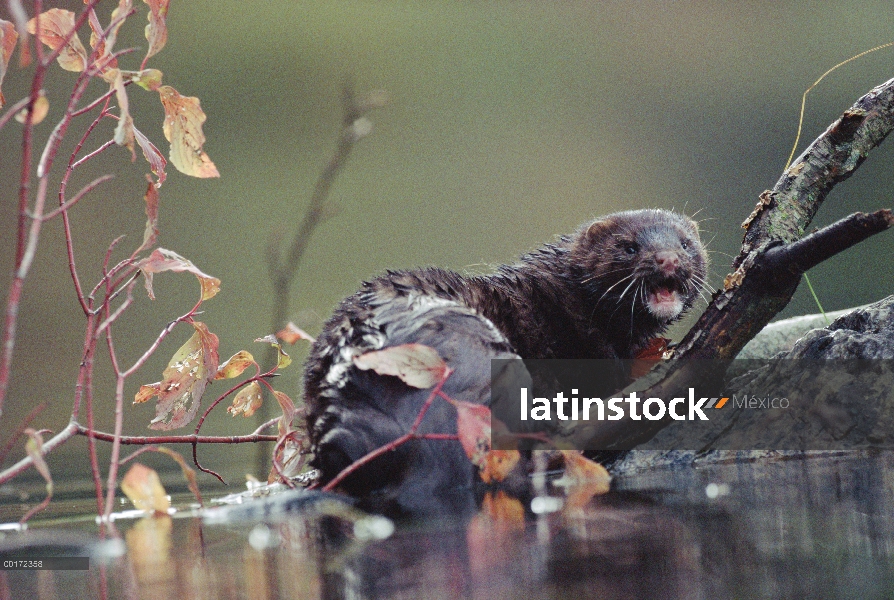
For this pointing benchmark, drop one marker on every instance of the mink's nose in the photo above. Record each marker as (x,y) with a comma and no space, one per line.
(667,261)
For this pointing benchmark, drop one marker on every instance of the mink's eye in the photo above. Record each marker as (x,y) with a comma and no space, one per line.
(630,249)
(684,244)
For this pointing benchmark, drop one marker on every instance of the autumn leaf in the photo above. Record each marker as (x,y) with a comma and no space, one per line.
(183,381)
(8,38)
(648,357)
(235,365)
(417,365)
(157,29)
(34,448)
(124,135)
(167,260)
(98,44)
(504,511)
(292,333)
(473,428)
(586,478)
(150,235)
(41,108)
(117,20)
(289,413)
(148,79)
(55,25)
(498,464)
(154,157)
(183,128)
(283,360)
(143,487)
(247,400)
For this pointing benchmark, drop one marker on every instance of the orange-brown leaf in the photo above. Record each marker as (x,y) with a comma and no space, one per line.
(183,381)
(157,29)
(416,365)
(150,235)
(8,38)
(587,479)
(292,333)
(143,487)
(154,157)
(146,392)
(183,128)
(648,357)
(504,511)
(235,365)
(247,400)
(55,25)
(167,260)
(498,464)
(41,108)
(473,428)
(288,413)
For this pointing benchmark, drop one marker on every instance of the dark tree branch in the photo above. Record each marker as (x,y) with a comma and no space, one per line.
(774,254)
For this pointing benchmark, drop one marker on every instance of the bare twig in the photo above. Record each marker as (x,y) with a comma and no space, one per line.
(282,271)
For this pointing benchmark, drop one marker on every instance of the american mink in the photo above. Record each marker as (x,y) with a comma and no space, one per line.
(602,292)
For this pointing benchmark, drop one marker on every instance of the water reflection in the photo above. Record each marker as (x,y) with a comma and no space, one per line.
(816,527)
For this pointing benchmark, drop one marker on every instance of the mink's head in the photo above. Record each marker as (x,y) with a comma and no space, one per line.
(645,267)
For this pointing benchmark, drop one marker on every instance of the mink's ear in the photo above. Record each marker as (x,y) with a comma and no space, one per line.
(597,228)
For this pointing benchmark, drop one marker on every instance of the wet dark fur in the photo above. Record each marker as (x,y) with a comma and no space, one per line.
(581,297)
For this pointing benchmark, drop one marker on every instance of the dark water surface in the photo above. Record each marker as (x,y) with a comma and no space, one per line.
(820,527)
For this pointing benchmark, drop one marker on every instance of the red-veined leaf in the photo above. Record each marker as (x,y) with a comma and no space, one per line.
(167,260)
(473,428)
(55,25)
(183,381)
(416,365)
(183,128)
(150,235)
(154,157)
(8,38)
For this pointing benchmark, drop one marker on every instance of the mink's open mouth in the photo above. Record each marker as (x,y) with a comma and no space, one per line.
(665,300)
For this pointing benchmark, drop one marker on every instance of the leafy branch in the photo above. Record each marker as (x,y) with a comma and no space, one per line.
(54,36)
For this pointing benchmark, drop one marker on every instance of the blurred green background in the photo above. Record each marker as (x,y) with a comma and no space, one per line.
(508,123)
